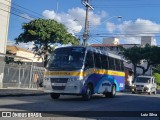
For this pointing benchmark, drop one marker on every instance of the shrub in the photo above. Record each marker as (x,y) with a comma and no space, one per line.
(157,77)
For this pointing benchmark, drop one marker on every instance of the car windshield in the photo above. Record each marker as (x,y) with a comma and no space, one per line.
(142,80)
(69,58)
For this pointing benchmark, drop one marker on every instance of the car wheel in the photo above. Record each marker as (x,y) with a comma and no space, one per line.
(133,92)
(155,92)
(149,93)
(54,95)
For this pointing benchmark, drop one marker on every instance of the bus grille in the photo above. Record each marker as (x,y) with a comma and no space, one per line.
(139,85)
(58,87)
(59,80)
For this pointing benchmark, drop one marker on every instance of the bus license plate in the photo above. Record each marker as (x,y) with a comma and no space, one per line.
(58,84)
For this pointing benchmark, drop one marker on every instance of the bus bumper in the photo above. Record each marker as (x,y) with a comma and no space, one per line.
(74,87)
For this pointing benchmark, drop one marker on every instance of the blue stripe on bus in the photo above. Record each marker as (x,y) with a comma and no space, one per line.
(98,79)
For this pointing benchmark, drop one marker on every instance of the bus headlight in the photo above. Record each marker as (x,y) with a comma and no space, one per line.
(147,86)
(46,78)
(72,79)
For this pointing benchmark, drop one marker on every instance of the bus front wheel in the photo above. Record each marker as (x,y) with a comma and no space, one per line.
(88,93)
(54,95)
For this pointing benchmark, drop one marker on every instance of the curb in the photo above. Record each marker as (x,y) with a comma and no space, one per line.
(21,95)
(20,92)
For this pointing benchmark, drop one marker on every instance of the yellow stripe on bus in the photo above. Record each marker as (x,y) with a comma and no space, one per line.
(63,73)
(117,73)
(87,72)
(108,72)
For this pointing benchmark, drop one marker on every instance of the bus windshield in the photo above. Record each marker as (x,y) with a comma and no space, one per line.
(69,58)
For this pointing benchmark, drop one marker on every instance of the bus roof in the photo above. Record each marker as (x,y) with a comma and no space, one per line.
(108,53)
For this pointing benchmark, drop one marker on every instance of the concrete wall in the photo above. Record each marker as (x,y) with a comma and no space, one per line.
(112,40)
(148,40)
(29,56)
(4,24)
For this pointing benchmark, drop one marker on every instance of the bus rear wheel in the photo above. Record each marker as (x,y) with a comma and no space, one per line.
(54,95)
(112,93)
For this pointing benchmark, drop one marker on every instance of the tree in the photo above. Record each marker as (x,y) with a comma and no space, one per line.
(44,33)
(156,68)
(157,77)
(149,54)
(133,55)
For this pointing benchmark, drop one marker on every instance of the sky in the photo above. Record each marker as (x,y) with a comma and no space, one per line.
(139,18)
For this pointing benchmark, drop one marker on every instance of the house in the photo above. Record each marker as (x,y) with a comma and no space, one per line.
(21,52)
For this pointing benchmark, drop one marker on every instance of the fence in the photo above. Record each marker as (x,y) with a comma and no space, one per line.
(21,76)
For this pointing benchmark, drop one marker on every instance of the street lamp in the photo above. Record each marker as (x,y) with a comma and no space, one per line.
(119,17)
(85,34)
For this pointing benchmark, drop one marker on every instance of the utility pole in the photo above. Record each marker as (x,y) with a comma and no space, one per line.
(85,34)
(57,7)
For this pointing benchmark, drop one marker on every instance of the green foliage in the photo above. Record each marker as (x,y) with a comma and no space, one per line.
(133,54)
(148,53)
(156,69)
(157,77)
(45,33)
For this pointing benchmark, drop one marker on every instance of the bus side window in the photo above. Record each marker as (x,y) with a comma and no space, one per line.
(111,63)
(122,66)
(97,60)
(104,60)
(117,64)
(89,60)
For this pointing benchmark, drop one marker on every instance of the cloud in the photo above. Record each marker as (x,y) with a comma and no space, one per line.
(28,45)
(74,18)
(139,27)
(110,26)
(131,31)
(11,42)
(51,15)
(26,16)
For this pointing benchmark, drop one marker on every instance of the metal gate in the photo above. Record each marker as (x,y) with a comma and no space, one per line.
(22,76)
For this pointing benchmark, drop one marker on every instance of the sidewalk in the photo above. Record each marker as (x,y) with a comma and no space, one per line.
(12,92)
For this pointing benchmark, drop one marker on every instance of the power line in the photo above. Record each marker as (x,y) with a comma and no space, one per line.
(24,8)
(15,14)
(97,41)
(19,11)
(127,5)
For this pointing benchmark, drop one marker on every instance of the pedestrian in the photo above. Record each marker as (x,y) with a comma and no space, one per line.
(36,80)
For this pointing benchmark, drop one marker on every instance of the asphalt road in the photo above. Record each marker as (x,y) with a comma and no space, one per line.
(123,103)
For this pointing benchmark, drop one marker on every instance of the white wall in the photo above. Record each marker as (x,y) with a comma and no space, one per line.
(111,40)
(28,55)
(148,40)
(4,24)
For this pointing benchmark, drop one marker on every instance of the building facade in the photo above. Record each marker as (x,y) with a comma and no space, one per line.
(4,24)
(21,52)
